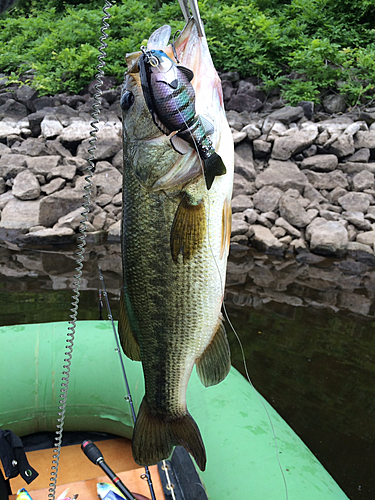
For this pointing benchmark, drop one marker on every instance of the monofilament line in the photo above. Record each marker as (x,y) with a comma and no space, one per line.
(222,286)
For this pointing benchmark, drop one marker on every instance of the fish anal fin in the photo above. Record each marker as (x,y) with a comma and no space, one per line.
(155,435)
(188,230)
(128,342)
(213,167)
(187,72)
(214,364)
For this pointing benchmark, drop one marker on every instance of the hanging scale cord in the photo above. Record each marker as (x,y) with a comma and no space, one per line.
(80,256)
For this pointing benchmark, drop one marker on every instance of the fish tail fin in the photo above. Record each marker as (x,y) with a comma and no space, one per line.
(154,437)
(213,166)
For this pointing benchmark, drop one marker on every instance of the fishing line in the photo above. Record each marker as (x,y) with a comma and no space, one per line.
(128,393)
(222,286)
(76,286)
(170,486)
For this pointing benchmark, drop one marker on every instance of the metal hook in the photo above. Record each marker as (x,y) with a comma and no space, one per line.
(173,46)
(195,14)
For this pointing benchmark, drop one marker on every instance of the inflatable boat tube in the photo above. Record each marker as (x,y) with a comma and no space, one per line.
(241,454)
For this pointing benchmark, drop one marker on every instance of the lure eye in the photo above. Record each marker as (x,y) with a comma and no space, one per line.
(127,100)
(154,61)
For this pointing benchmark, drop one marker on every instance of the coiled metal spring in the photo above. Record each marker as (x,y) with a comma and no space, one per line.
(76,286)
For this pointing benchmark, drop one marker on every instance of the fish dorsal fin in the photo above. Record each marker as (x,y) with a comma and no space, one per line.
(187,72)
(129,343)
(188,230)
(207,125)
(214,364)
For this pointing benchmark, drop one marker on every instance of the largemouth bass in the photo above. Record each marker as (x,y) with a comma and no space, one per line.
(175,243)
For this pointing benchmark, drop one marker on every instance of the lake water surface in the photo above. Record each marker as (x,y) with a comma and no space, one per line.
(307,325)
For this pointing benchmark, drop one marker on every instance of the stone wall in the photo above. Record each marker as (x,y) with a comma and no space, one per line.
(302,181)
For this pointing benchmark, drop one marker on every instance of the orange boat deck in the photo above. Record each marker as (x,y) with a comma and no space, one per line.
(81,476)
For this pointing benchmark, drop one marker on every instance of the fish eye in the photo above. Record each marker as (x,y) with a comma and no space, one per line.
(127,100)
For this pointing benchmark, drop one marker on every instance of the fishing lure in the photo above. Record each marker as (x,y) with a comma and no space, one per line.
(170,98)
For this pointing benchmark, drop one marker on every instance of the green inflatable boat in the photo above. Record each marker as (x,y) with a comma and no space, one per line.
(241,453)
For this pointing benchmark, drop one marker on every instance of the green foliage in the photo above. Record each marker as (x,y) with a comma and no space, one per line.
(305,47)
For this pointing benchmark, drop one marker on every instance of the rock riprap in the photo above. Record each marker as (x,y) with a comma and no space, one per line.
(303,181)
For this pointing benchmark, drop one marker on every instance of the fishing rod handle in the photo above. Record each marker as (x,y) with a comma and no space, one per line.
(94,454)
(91,451)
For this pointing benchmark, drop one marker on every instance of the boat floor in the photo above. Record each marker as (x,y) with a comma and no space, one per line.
(81,476)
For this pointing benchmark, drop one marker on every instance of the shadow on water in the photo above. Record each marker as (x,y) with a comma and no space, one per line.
(307,325)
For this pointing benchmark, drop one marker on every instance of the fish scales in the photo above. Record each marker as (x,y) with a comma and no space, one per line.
(175,242)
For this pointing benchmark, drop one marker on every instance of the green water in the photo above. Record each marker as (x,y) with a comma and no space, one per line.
(308,332)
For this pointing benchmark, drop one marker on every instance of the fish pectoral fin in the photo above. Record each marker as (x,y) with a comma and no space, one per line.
(188,230)
(214,364)
(155,436)
(129,343)
(213,167)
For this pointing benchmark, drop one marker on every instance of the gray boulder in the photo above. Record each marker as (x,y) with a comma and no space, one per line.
(42,165)
(8,128)
(241,202)
(355,202)
(363,180)
(367,238)
(288,145)
(57,205)
(252,131)
(287,114)
(283,175)
(365,139)
(263,240)
(11,165)
(358,220)
(50,126)
(49,236)
(75,133)
(244,167)
(355,167)
(334,103)
(342,146)
(244,102)
(30,147)
(361,156)
(13,109)
(26,186)
(19,214)
(327,237)
(107,179)
(53,186)
(320,163)
(261,148)
(267,198)
(65,171)
(328,180)
(292,209)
